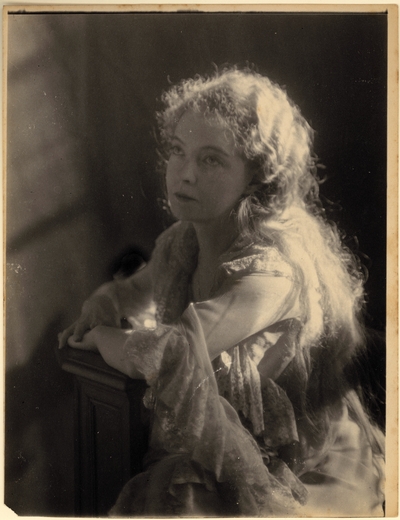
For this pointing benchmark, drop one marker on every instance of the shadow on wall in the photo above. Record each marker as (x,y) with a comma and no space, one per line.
(69,212)
(39,433)
(54,256)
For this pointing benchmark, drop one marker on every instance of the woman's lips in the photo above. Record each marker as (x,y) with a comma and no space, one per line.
(182,197)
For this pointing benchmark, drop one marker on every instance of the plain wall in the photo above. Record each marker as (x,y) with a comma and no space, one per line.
(82,185)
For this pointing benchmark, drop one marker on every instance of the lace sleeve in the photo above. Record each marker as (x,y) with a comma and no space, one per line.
(145,349)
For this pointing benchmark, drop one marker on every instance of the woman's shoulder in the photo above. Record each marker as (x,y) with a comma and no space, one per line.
(177,245)
(256,257)
(173,232)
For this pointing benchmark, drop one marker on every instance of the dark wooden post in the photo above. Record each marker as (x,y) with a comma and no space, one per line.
(110,430)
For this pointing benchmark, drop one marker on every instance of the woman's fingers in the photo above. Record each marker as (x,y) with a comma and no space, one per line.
(86,343)
(64,335)
(97,310)
(81,326)
(74,333)
(76,330)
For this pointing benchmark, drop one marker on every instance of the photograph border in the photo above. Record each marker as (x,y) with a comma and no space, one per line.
(392,169)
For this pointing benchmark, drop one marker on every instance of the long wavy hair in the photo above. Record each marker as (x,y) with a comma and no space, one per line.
(282,207)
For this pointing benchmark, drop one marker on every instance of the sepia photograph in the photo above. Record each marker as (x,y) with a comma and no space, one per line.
(197,238)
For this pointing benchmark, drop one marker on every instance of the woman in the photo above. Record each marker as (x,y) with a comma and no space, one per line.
(244,321)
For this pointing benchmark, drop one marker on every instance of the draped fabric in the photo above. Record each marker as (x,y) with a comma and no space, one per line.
(200,428)
(218,427)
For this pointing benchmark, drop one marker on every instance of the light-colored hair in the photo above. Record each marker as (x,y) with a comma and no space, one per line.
(282,205)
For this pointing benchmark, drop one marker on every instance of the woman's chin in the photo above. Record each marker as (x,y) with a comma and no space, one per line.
(184,215)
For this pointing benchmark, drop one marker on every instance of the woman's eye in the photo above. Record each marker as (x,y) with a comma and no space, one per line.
(175,150)
(212,160)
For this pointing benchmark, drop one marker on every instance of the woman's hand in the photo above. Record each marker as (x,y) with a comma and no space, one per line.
(88,342)
(110,343)
(100,309)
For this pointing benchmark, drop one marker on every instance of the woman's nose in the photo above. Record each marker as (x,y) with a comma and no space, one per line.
(188,171)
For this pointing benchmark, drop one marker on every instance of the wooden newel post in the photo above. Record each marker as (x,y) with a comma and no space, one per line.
(110,430)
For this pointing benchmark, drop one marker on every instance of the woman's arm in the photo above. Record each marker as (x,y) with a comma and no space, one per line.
(245,306)
(110,303)
(135,293)
(110,343)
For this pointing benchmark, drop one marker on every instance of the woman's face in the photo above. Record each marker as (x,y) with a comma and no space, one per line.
(205,174)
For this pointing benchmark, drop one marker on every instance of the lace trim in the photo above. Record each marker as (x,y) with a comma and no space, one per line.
(259,259)
(141,342)
(268,411)
(239,382)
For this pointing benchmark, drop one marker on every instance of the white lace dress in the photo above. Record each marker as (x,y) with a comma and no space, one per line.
(220,430)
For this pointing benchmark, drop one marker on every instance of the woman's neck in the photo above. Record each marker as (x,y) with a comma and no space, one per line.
(214,238)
